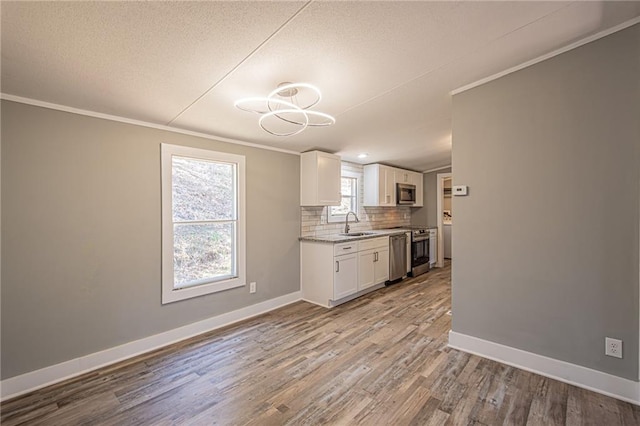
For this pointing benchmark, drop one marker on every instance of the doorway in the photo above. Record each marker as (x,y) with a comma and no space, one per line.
(445,217)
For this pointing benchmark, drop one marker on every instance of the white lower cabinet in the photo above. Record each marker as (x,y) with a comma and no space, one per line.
(345,276)
(381,265)
(366,276)
(330,273)
(408,235)
(373,262)
(433,247)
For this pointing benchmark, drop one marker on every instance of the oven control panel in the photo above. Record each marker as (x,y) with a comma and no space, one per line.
(419,234)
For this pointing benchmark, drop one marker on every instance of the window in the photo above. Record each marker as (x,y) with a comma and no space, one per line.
(349,202)
(203,222)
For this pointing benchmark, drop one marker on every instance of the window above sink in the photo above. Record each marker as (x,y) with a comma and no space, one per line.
(349,184)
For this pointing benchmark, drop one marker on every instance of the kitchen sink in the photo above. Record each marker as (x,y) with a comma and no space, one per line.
(357,234)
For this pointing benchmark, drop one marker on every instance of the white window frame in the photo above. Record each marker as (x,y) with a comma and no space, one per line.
(170,293)
(341,217)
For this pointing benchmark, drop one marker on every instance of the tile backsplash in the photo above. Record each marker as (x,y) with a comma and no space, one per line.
(314,219)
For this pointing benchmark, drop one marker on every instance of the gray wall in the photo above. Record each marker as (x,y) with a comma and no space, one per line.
(428,214)
(546,243)
(81,235)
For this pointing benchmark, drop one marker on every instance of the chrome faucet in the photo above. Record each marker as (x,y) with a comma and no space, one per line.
(346,221)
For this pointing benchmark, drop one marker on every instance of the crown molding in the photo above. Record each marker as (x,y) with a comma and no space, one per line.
(64,108)
(437,168)
(560,51)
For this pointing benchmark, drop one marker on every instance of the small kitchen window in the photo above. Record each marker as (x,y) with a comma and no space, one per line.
(349,200)
(203,222)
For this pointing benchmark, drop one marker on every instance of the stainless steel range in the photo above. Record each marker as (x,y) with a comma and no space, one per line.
(419,251)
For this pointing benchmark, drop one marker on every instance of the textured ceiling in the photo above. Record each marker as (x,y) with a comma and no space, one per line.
(385,69)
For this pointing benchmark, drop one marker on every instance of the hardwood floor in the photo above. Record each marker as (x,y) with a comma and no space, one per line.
(378,360)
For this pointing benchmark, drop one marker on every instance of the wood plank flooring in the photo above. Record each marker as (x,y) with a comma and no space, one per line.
(379,360)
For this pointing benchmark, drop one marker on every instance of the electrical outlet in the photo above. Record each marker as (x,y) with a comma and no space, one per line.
(252,287)
(613,347)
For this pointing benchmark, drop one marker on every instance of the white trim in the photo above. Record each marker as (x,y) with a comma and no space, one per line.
(18,385)
(125,120)
(341,217)
(169,292)
(437,168)
(560,51)
(440,177)
(583,377)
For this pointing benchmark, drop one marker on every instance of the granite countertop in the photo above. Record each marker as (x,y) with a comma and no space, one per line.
(373,233)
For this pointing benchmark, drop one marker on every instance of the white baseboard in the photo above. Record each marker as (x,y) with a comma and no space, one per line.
(583,377)
(33,380)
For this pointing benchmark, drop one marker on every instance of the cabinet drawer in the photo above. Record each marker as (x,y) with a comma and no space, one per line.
(374,243)
(345,248)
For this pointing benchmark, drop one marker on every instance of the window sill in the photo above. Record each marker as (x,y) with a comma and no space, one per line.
(188,292)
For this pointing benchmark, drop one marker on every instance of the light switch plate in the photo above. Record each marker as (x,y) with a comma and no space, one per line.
(460,190)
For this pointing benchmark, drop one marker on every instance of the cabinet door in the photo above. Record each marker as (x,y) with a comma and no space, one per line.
(416,179)
(382,187)
(387,186)
(381,266)
(366,277)
(329,180)
(433,247)
(446,229)
(379,185)
(408,235)
(403,176)
(319,179)
(345,275)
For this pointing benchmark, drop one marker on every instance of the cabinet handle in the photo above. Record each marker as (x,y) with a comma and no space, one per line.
(346,248)
(337,266)
(375,256)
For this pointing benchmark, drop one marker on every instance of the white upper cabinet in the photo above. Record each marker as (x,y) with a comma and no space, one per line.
(319,179)
(379,185)
(403,176)
(416,179)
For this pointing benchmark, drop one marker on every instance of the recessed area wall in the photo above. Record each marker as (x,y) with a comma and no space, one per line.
(428,214)
(546,242)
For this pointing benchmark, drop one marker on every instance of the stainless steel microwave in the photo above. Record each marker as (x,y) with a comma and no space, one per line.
(406,193)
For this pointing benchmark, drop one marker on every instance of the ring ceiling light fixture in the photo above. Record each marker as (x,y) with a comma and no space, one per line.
(286,110)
